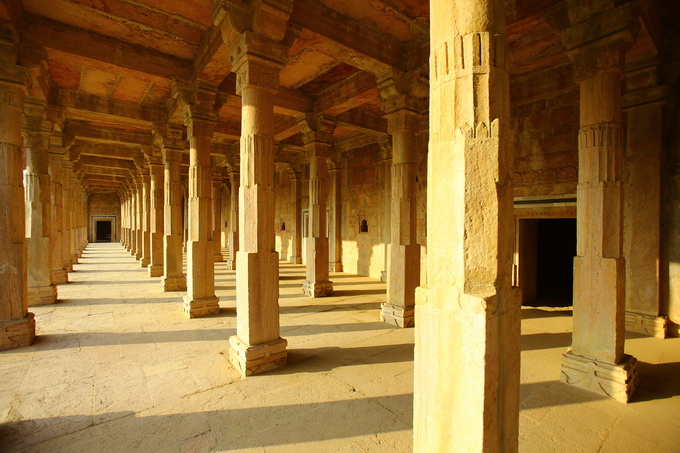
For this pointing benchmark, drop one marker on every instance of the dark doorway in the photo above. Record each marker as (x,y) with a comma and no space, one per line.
(549,246)
(103,233)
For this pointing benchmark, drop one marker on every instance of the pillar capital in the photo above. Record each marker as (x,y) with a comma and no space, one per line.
(255,71)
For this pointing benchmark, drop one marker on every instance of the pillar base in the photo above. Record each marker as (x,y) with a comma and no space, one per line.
(259,358)
(295,259)
(174,283)
(614,381)
(317,289)
(60,276)
(155,271)
(383,276)
(74,259)
(144,262)
(138,256)
(654,326)
(401,317)
(42,295)
(198,308)
(68,265)
(17,332)
(218,257)
(335,267)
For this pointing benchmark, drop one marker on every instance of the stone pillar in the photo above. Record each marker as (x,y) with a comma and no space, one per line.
(200,299)
(133,214)
(38,191)
(73,217)
(257,345)
(467,355)
(125,223)
(232,236)
(145,178)
(296,200)
(17,325)
(67,202)
(317,136)
(173,274)
(596,360)
(156,218)
(217,214)
(386,161)
(139,217)
(404,267)
(335,240)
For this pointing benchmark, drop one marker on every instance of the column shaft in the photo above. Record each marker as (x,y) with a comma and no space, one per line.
(466,376)
(173,274)
(156,221)
(217,218)
(145,258)
(232,236)
(296,200)
(317,283)
(335,229)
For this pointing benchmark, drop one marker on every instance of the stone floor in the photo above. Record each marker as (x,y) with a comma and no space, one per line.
(117,367)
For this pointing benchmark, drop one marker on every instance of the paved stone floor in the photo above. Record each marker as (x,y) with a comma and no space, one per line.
(117,367)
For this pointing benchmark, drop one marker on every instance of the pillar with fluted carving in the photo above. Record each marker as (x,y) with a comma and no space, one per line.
(17,324)
(173,275)
(467,333)
(596,360)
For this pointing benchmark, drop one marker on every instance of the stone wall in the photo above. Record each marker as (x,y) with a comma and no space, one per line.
(104,205)
(363,198)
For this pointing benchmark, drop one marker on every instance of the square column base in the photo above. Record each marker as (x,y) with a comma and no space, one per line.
(68,265)
(335,267)
(317,289)
(218,258)
(198,308)
(144,262)
(17,332)
(231,265)
(155,271)
(138,256)
(43,295)
(614,381)
(74,259)
(259,358)
(60,276)
(174,283)
(295,259)
(654,326)
(383,276)
(401,317)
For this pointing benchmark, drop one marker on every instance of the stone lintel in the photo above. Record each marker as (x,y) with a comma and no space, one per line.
(156,271)
(317,289)
(43,295)
(174,283)
(654,326)
(401,317)
(259,358)
(614,381)
(17,332)
(201,307)
(615,24)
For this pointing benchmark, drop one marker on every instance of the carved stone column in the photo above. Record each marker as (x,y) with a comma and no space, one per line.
(139,216)
(386,164)
(217,214)
(41,287)
(404,267)
(335,227)
(156,218)
(17,325)
(296,200)
(67,202)
(596,360)
(133,214)
(200,120)
(257,345)
(173,275)
(467,354)
(73,216)
(232,236)
(145,210)
(317,137)
(125,222)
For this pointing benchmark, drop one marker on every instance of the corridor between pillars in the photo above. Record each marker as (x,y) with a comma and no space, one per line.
(467,354)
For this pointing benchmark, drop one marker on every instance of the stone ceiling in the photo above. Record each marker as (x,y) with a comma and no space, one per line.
(109,66)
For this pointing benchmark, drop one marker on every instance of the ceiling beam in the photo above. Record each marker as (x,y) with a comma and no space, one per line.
(347,94)
(86,131)
(363,121)
(66,38)
(107,162)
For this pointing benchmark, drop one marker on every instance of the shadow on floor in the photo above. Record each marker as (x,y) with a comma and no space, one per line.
(531,313)
(357,292)
(318,308)
(534,341)
(657,381)
(320,329)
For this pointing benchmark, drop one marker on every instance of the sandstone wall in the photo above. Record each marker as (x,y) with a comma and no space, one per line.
(103,205)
